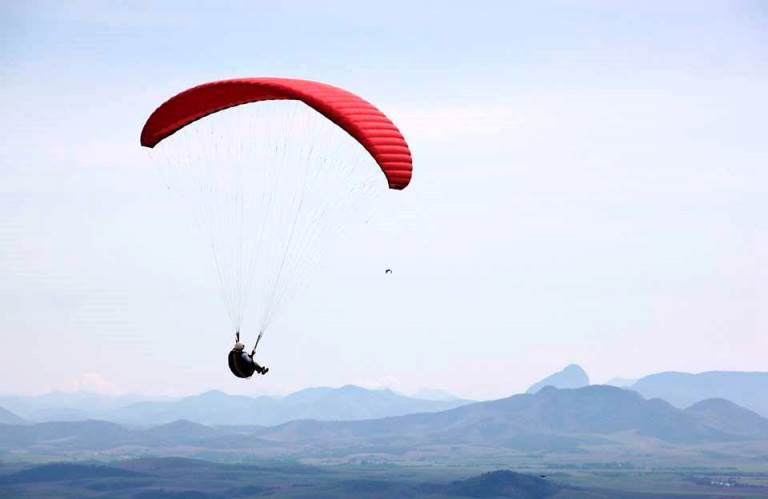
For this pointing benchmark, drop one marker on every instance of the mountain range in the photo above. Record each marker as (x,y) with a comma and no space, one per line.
(594,410)
(349,403)
(551,420)
(218,408)
(748,389)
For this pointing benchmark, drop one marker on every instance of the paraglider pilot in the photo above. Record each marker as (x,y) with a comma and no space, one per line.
(241,363)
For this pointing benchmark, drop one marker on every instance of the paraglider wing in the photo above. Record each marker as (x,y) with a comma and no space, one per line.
(268,182)
(360,119)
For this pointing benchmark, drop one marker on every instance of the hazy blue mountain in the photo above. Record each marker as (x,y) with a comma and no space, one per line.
(100,435)
(7,417)
(179,431)
(353,402)
(551,420)
(65,406)
(212,407)
(572,376)
(93,435)
(747,389)
(596,410)
(217,408)
(728,417)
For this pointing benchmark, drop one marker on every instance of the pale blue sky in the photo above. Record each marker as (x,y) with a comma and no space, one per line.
(590,186)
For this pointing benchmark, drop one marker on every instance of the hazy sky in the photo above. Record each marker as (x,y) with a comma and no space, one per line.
(590,186)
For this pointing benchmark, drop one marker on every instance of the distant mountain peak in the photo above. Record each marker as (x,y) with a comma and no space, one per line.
(728,417)
(571,376)
(746,389)
(713,403)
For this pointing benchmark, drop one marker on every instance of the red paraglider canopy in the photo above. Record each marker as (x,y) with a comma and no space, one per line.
(369,126)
